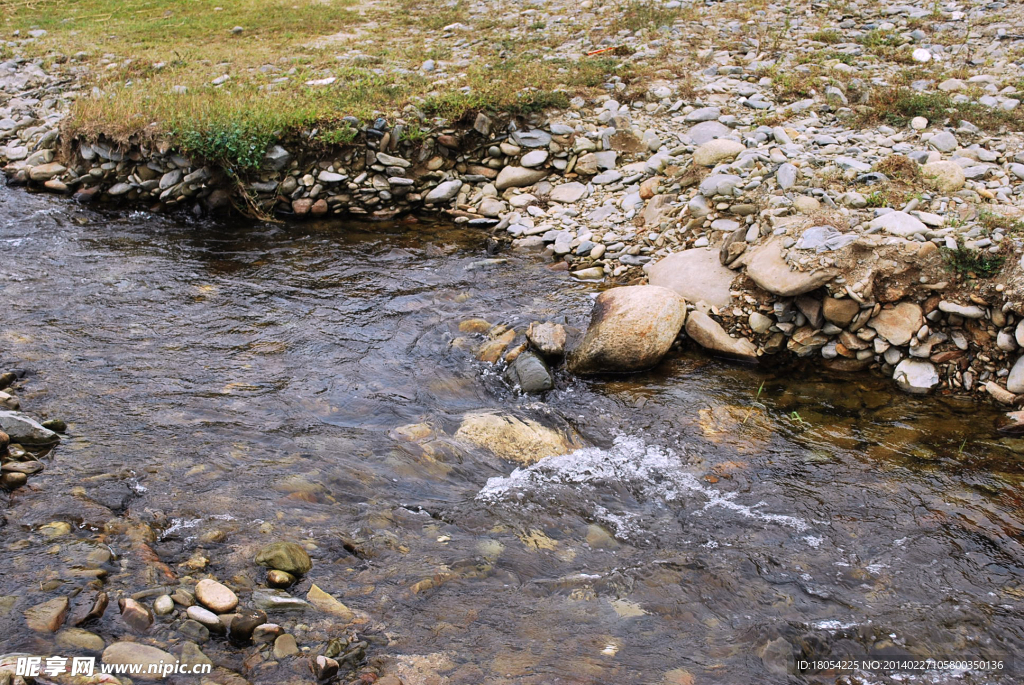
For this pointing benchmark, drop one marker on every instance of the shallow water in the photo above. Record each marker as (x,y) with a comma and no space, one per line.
(230,385)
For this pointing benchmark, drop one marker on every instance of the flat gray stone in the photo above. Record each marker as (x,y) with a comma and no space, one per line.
(696,275)
(24,430)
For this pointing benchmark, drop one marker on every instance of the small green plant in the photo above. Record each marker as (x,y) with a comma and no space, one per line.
(795,417)
(877,199)
(235,146)
(343,135)
(968,263)
(755,403)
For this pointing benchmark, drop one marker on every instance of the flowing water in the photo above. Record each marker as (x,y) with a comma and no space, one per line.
(227,385)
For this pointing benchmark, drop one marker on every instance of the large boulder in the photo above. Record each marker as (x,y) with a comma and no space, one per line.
(631,329)
(767,268)
(899,324)
(696,275)
(944,176)
(710,335)
(516,439)
(24,430)
(916,376)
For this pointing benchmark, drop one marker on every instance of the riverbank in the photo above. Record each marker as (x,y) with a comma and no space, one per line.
(843,185)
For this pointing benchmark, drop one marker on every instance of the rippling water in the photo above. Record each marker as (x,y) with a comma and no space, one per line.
(231,384)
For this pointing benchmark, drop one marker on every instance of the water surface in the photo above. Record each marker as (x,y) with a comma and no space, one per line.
(227,385)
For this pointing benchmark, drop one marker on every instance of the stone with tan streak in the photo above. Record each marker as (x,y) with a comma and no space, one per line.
(521,440)
(631,329)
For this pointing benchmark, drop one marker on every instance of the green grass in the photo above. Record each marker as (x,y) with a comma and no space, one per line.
(898,105)
(141,52)
(969,264)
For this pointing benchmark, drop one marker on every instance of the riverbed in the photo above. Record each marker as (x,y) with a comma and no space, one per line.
(228,384)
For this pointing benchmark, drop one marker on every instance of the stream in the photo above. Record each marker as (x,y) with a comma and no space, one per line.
(228,384)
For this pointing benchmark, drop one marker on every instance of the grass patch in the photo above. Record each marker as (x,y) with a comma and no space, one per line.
(153,64)
(995,221)
(899,168)
(898,105)
(967,263)
(828,36)
(638,14)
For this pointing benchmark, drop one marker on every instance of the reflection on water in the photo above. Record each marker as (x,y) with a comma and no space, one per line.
(227,386)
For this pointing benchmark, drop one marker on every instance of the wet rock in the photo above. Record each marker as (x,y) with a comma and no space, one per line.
(916,376)
(77,638)
(206,618)
(277,578)
(515,439)
(267,632)
(325,668)
(285,646)
(530,373)
(326,603)
(192,655)
(285,556)
(194,630)
(547,338)
(695,275)
(25,431)
(274,601)
(492,350)
(244,623)
(47,617)
(215,596)
(88,607)
(631,329)
(710,335)
(898,324)
(134,653)
(135,614)
(770,271)
(55,425)
(1011,423)
(163,605)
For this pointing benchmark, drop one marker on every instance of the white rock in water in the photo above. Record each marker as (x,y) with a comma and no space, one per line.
(921,55)
(916,376)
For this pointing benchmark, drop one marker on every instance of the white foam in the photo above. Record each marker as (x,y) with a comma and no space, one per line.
(650,471)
